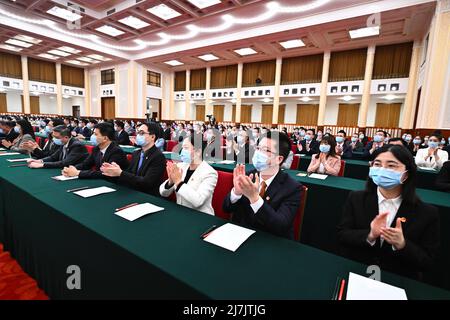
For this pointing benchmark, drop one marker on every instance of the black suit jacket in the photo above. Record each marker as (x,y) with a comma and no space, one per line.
(443,178)
(48,149)
(367,155)
(313,147)
(347,152)
(86,132)
(76,153)
(11,136)
(149,177)
(123,138)
(166,134)
(90,167)
(276,216)
(421,232)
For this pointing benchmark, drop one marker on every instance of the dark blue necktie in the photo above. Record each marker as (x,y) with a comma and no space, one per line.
(141,160)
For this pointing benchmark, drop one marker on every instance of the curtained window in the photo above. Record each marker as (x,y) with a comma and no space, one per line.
(153,78)
(10,65)
(348,114)
(107,76)
(180,81)
(261,73)
(42,71)
(307,114)
(72,76)
(392,61)
(388,115)
(246,113)
(348,65)
(306,69)
(224,77)
(200,112)
(198,79)
(219,112)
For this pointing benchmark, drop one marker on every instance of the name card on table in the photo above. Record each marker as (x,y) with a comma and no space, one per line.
(64,178)
(87,193)
(362,288)
(229,236)
(318,176)
(138,211)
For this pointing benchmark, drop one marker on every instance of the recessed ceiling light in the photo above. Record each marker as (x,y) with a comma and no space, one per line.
(48,56)
(29,39)
(59,53)
(296,43)
(69,49)
(77,62)
(204,3)
(98,57)
(305,99)
(208,57)
(134,22)
(85,59)
(19,43)
(364,32)
(36,93)
(174,63)
(245,51)
(266,100)
(65,96)
(9,47)
(390,97)
(64,14)
(110,30)
(164,12)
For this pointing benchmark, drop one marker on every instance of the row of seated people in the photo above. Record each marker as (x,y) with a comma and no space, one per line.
(386,224)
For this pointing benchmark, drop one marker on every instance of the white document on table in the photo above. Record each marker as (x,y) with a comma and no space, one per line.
(18,160)
(64,178)
(94,192)
(225,162)
(167,152)
(2,149)
(9,154)
(229,236)
(318,176)
(362,288)
(138,211)
(427,169)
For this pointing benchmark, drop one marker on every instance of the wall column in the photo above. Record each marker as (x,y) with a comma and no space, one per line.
(87,94)
(365,101)
(172,96)
(26,85)
(238,93)
(187,114)
(276,97)
(324,88)
(59,97)
(208,106)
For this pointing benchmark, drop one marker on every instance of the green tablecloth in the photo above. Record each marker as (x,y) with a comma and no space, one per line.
(359,169)
(159,256)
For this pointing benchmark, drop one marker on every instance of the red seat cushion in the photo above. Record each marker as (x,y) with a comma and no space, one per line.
(89,149)
(171,144)
(295,162)
(223,187)
(298,220)
(342,170)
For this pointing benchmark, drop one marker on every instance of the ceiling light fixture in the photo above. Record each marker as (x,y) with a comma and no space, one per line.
(364,32)
(208,57)
(245,51)
(296,43)
(134,22)
(201,4)
(64,14)
(164,12)
(9,47)
(19,43)
(174,63)
(59,53)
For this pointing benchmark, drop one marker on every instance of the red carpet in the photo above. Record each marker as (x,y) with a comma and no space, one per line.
(15,284)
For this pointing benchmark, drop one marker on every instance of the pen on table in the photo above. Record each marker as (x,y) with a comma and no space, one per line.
(341,291)
(207,232)
(18,165)
(336,289)
(127,206)
(77,189)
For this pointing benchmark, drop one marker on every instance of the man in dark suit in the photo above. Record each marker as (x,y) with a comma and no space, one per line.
(84,132)
(49,147)
(267,199)
(9,132)
(106,150)
(244,151)
(147,166)
(70,151)
(308,145)
(443,178)
(122,136)
(166,131)
(343,149)
(376,143)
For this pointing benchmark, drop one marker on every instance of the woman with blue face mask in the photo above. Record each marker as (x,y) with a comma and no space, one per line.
(327,161)
(25,134)
(415,145)
(431,157)
(192,180)
(387,224)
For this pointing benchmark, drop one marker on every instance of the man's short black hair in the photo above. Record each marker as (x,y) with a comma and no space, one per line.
(120,124)
(153,128)
(93,121)
(106,129)
(57,122)
(342,131)
(10,124)
(85,121)
(62,130)
(404,143)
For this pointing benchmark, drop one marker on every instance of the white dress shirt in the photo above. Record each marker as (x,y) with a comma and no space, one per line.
(390,206)
(431,162)
(259,203)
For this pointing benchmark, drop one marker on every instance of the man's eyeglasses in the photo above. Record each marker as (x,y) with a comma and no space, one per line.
(265,150)
(142,132)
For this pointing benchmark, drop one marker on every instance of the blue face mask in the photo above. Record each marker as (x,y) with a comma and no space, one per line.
(57,141)
(354,139)
(325,148)
(417,141)
(1,131)
(307,137)
(140,140)
(94,140)
(433,144)
(185,156)
(16,129)
(339,139)
(260,160)
(302,134)
(48,129)
(378,138)
(385,178)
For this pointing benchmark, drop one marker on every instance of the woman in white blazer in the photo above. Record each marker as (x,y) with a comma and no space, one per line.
(431,157)
(193,180)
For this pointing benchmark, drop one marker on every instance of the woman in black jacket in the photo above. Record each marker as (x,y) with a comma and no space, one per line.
(387,224)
